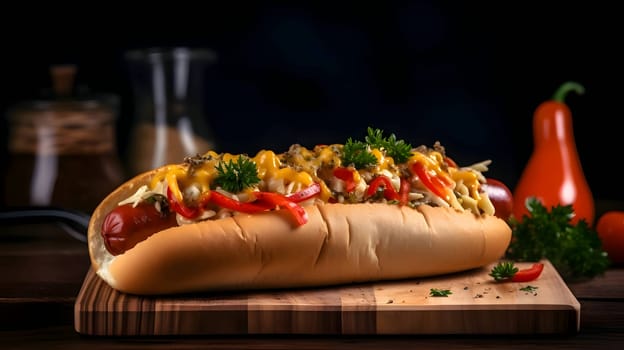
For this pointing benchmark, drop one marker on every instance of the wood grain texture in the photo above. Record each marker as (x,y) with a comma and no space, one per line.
(477,305)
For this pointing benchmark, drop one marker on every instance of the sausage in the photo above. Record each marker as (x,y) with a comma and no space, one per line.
(125,226)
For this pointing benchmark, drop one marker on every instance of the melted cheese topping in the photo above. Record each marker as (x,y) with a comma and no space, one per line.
(468,178)
(300,167)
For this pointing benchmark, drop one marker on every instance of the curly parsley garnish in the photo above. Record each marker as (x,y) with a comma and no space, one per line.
(575,250)
(237,176)
(435,292)
(399,150)
(504,270)
(358,154)
(529,289)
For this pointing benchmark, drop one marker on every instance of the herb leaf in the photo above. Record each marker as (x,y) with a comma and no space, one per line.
(399,150)
(358,154)
(435,292)
(503,270)
(237,176)
(574,250)
(529,289)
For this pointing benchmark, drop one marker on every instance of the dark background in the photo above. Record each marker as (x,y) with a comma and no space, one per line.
(469,75)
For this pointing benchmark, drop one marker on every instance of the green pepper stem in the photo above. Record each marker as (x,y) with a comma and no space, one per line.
(566,87)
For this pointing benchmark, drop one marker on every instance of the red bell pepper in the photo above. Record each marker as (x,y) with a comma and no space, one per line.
(450,162)
(276,199)
(389,191)
(264,201)
(346,175)
(181,208)
(232,204)
(404,190)
(306,193)
(529,274)
(434,183)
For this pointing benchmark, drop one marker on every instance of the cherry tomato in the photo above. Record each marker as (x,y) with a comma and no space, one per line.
(610,229)
(500,196)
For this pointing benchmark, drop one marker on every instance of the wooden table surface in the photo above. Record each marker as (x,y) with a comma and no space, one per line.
(43,269)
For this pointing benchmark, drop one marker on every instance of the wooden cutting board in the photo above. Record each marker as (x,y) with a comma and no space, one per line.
(477,305)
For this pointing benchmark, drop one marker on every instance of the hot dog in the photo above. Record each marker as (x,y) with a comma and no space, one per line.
(368,210)
(127,225)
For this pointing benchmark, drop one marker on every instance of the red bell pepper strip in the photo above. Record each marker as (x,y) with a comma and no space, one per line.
(389,191)
(232,204)
(276,199)
(306,193)
(529,274)
(264,201)
(404,190)
(346,175)
(181,208)
(450,162)
(433,183)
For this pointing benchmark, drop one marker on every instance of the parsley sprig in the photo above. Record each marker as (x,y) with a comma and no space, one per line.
(436,292)
(575,250)
(529,289)
(399,150)
(503,270)
(237,176)
(358,153)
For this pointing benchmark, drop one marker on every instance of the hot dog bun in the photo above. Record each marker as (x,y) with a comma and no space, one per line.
(341,243)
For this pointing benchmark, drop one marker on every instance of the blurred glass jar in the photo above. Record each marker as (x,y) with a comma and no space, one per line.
(170,121)
(62,149)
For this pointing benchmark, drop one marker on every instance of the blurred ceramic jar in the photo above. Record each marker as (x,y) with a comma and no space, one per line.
(62,148)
